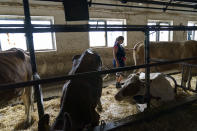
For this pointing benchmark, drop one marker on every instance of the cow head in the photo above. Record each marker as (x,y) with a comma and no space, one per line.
(43,124)
(81,62)
(132,87)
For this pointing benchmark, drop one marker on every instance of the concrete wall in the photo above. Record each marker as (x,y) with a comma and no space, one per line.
(58,62)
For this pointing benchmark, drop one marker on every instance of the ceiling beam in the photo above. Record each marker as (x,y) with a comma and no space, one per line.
(152,2)
(162,3)
(190,1)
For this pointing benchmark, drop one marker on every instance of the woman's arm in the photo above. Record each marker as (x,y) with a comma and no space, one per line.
(115,50)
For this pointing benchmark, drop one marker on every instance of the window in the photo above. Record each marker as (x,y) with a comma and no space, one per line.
(106,38)
(192,34)
(160,35)
(42,41)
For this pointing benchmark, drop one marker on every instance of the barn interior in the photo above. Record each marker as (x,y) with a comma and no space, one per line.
(54,52)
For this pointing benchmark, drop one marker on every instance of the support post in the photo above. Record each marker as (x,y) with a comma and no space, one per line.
(147,61)
(30,46)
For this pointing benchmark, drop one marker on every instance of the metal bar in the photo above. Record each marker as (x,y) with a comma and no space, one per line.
(146,2)
(141,1)
(173,73)
(169,4)
(147,61)
(86,28)
(175,83)
(140,7)
(29,40)
(183,70)
(90,25)
(186,64)
(88,74)
(185,88)
(191,1)
(189,77)
(162,3)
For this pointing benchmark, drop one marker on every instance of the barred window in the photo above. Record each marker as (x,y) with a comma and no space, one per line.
(160,35)
(106,38)
(42,41)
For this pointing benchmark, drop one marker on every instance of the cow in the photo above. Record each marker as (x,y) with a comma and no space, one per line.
(167,51)
(80,95)
(134,87)
(15,67)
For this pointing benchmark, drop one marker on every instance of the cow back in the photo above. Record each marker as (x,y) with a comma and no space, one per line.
(81,95)
(166,51)
(14,67)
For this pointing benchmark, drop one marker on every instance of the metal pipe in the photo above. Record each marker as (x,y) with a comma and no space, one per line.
(162,3)
(147,61)
(183,71)
(146,2)
(87,74)
(190,1)
(140,7)
(175,83)
(189,77)
(87,28)
(185,88)
(29,40)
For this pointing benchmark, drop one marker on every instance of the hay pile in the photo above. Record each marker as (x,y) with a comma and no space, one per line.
(112,109)
(12,118)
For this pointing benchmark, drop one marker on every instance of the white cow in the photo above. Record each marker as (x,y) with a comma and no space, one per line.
(160,87)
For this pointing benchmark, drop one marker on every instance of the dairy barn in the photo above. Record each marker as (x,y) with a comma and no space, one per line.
(57,70)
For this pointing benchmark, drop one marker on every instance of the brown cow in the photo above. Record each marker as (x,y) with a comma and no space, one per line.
(80,95)
(167,51)
(15,67)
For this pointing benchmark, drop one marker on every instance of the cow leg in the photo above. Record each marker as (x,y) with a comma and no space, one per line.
(189,82)
(185,77)
(28,99)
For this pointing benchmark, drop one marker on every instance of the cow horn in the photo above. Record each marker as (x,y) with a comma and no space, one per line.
(136,45)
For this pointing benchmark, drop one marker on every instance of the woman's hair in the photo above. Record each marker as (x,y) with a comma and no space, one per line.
(119,38)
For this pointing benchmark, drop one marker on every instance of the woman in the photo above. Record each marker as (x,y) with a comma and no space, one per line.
(119,58)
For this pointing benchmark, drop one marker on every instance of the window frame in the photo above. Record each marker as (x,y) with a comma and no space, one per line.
(33,18)
(105,20)
(157,23)
(193,31)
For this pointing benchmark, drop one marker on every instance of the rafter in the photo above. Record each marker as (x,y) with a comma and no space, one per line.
(162,3)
